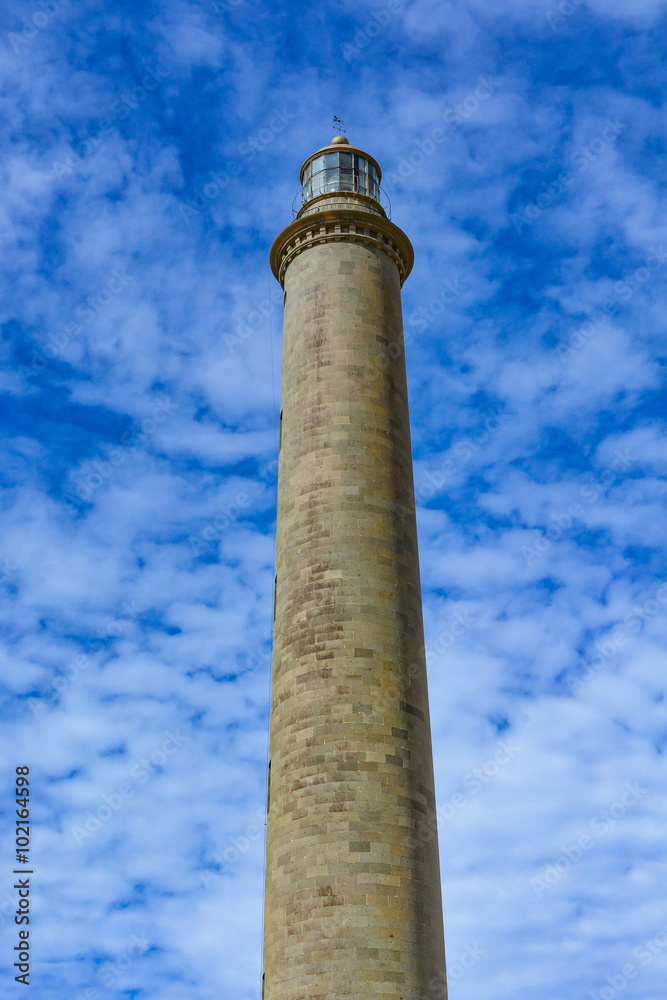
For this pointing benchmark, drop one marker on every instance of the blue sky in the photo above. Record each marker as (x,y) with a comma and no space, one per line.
(150,156)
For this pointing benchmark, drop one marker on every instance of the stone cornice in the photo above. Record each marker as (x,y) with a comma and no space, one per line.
(336,225)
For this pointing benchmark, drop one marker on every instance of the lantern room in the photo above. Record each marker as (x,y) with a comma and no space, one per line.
(340,167)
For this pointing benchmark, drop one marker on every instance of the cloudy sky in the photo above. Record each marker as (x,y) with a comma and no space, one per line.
(150,156)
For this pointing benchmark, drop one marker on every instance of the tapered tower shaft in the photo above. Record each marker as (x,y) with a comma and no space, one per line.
(353,906)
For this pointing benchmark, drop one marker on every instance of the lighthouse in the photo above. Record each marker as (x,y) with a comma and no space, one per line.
(352,899)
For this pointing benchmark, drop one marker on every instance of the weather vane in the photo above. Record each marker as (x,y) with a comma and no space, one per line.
(339,122)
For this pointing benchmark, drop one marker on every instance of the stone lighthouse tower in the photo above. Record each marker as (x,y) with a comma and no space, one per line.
(353,906)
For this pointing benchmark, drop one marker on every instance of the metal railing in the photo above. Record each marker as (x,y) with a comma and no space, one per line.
(298,202)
